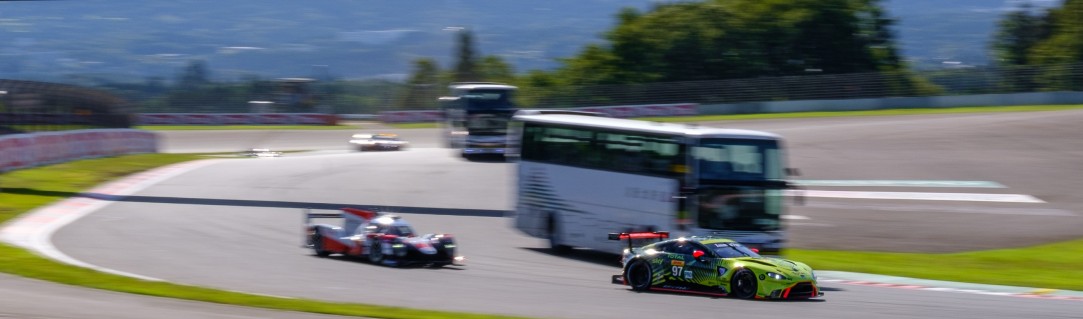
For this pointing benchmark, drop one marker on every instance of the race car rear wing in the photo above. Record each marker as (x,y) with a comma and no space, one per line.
(630,236)
(347,212)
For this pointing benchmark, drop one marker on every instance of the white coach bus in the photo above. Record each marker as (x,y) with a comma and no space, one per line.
(583,176)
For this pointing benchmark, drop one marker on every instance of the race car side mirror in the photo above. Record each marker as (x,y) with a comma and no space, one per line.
(698,254)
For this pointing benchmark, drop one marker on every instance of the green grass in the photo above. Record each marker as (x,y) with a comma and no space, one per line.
(24,190)
(694,118)
(760,116)
(1055,265)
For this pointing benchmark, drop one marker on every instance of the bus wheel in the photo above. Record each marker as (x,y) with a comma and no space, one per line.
(554,238)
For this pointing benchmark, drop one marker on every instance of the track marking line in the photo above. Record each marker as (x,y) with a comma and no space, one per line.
(898,183)
(972,197)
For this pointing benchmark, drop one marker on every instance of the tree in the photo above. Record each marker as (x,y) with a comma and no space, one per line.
(727,39)
(1060,53)
(194,75)
(423,88)
(1064,43)
(465,69)
(493,68)
(1018,32)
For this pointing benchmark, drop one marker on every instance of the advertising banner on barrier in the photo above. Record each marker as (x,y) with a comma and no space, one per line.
(411,116)
(237,119)
(28,150)
(679,109)
(159,119)
(200,119)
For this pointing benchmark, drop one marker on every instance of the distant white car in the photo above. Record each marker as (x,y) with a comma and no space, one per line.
(260,152)
(378,142)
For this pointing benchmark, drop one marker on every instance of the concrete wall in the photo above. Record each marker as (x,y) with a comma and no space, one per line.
(1035,98)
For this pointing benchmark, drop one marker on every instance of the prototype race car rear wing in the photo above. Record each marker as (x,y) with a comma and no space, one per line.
(347,212)
(659,235)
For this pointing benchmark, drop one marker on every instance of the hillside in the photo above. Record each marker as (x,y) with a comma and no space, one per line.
(51,40)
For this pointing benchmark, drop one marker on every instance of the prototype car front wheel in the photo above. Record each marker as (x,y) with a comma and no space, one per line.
(376,253)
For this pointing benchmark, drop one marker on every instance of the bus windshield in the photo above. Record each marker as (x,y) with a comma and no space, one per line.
(482,100)
(737,160)
(487,124)
(738,180)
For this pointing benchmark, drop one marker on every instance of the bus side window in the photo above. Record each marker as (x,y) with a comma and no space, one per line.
(662,164)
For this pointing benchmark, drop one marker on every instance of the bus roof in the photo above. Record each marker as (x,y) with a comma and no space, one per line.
(643,126)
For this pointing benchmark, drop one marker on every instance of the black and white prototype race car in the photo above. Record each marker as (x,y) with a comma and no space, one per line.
(381,238)
(378,142)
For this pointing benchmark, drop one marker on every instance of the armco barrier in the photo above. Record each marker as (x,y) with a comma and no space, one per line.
(29,150)
(237,119)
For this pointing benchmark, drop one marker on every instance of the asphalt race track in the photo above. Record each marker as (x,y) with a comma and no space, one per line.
(236,224)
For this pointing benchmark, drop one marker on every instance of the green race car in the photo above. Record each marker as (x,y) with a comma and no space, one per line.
(711,266)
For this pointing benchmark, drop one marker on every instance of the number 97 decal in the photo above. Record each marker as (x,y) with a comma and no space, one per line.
(677,270)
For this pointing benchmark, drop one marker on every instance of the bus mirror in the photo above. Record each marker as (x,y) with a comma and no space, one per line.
(790,171)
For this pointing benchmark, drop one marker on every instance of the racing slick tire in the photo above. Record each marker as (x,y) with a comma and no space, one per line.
(317,245)
(376,253)
(639,276)
(743,284)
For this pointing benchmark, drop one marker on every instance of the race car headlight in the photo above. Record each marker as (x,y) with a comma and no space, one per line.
(400,249)
(722,271)
(776,276)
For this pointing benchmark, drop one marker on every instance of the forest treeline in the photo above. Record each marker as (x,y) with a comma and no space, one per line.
(714,51)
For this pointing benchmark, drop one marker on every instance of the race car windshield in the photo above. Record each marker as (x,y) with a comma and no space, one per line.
(401,230)
(732,250)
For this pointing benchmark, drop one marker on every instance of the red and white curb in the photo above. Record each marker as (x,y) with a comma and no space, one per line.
(946,286)
(35,229)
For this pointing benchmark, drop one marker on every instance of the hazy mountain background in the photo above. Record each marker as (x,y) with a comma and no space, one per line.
(136,39)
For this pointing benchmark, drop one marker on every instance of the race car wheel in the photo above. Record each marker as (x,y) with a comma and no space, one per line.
(639,276)
(743,284)
(317,245)
(376,253)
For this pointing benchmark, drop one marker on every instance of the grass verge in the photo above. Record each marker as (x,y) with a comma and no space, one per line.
(1054,266)
(24,190)
(762,116)
(888,112)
